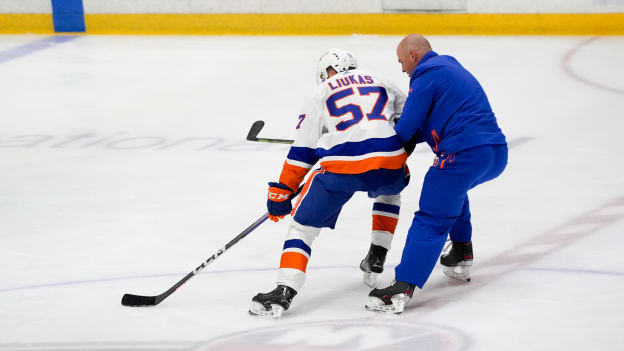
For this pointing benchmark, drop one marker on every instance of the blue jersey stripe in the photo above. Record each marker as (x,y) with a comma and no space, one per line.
(299,244)
(356,148)
(303,154)
(386,208)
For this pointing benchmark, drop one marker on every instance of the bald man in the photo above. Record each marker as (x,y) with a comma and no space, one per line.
(447,108)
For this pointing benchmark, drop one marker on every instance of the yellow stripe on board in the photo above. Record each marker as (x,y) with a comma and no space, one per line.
(329,24)
(26,23)
(340,24)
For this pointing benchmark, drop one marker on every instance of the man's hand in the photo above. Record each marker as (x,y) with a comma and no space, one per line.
(278,202)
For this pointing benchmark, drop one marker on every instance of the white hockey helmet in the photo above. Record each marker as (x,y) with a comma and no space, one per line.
(338,59)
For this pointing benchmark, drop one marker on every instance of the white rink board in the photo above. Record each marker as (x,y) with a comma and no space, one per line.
(322,6)
(348,6)
(26,6)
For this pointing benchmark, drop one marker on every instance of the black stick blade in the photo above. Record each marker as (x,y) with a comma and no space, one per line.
(138,300)
(256,127)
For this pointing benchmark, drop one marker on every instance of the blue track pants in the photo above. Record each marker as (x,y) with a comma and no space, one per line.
(444,207)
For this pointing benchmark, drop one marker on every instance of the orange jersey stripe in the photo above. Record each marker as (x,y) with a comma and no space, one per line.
(365,165)
(383,223)
(292,175)
(305,190)
(294,260)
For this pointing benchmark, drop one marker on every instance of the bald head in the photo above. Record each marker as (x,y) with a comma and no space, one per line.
(411,50)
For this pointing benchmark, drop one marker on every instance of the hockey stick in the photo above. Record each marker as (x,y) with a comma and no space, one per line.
(256,127)
(140,301)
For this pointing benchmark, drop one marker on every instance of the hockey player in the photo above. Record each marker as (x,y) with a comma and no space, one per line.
(347,127)
(447,108)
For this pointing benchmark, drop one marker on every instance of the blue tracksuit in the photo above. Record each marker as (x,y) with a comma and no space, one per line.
(447,108)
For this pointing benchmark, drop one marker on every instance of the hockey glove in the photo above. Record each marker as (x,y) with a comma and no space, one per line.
(410,145)
(278,202)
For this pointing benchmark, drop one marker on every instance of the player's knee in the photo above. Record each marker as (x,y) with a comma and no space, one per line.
(303,232)
(389,199)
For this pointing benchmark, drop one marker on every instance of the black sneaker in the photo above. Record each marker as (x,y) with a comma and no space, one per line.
(273,303)
(457,261)
(373,264)
(391,299)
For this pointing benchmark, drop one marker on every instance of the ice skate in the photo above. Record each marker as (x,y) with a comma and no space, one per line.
(272,304)
(373,263)
(458,261)
(391,299)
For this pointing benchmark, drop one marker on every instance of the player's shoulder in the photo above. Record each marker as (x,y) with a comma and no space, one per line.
(320,92)
(314,101)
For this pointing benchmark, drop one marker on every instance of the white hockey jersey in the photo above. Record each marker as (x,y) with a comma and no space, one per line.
(347,126)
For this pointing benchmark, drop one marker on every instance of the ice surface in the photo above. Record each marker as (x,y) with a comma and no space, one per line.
(124,166)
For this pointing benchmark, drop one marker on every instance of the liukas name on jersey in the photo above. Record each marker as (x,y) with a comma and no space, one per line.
(349,80)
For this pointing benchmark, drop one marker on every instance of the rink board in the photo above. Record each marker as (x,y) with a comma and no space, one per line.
(329,24)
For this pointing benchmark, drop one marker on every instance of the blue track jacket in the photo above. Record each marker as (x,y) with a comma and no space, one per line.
(447,107)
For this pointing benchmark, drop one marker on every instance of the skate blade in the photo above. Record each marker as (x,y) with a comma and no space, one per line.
(397,306)
(458,272)
(257,310)
(370,279)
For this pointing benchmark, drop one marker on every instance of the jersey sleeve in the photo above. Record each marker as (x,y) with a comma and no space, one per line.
(302,154)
